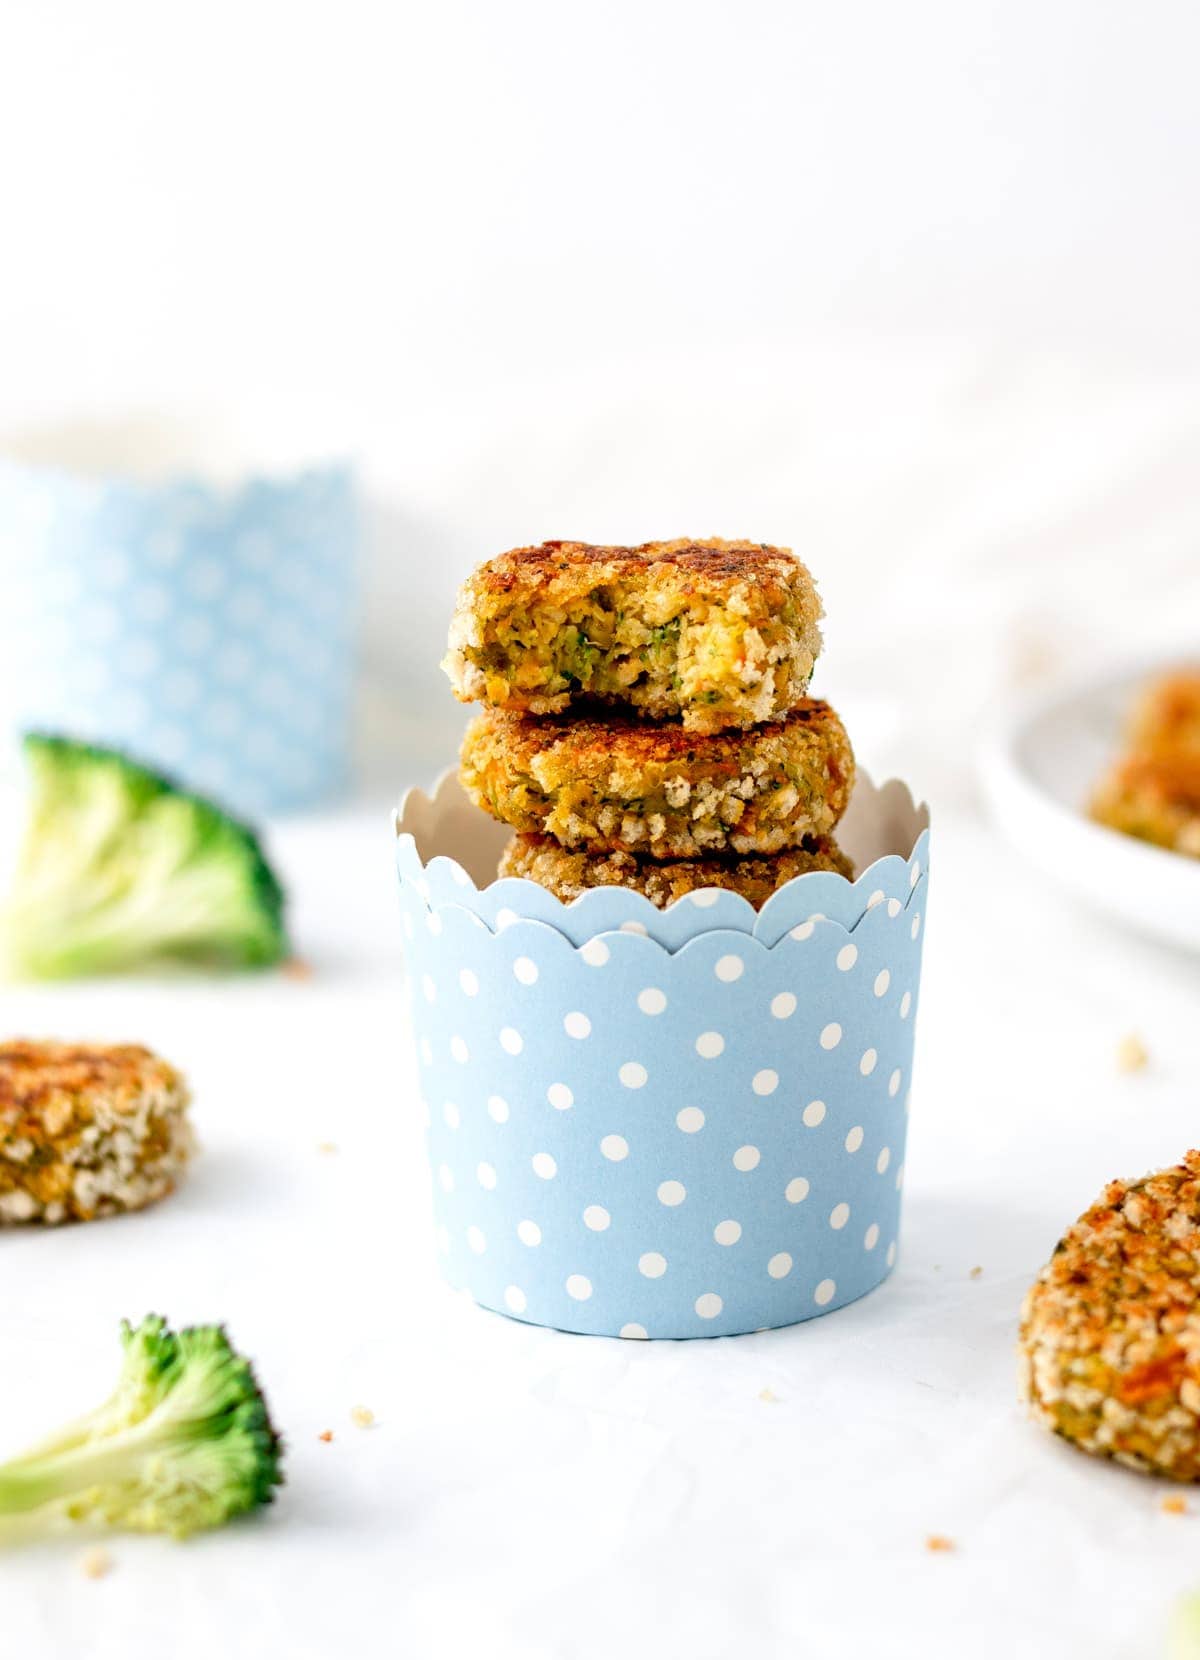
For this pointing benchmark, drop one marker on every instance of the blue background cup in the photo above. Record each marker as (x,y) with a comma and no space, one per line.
(209,632)
(646,1139)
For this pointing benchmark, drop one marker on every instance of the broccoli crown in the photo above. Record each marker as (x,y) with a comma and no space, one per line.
(185,1441)
(121,867)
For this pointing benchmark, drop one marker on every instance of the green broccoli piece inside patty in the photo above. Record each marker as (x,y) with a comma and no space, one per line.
(120,867)
(185,1442)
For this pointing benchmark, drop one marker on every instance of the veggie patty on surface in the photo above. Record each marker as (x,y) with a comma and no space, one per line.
(1110,1331)
(87,1130)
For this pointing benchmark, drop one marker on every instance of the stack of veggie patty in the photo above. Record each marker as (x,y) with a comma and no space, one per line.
(646,719)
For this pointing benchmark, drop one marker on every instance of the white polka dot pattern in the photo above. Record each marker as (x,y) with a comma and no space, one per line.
(210,633)
(638,1142)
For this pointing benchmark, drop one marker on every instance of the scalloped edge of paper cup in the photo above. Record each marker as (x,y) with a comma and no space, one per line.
(448,850)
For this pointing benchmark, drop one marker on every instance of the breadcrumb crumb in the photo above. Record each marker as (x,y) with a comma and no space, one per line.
(96,1563)
(1034,653)
(1132,1054)
(767,1395)
(325,1435)
(1175,1505)
(975,1273)
(296,968)
(939,1542)
(362,1416)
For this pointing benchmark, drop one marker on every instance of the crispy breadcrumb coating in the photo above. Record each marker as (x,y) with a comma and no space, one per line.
(1110,1332)
(720,634)
(1155,798)
(87,1130)
(621,785)
(756,877)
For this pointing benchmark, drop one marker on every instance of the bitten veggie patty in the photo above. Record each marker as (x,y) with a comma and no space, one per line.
(568,874)
(87,1131)
(620,785)
(720,634)
(1110,1332)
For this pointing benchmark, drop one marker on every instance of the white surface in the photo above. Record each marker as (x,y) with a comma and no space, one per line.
(532,1496)
(1039,774)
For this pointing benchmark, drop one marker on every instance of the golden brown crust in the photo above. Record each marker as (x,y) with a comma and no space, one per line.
(87,1130)
(568,874)
(718,634)
(35,1077)
(710,565)
(1110,1331)
(621,785)
(645,745)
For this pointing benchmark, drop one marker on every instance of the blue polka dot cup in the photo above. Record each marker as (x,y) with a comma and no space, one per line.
(208,632)
(680,1123)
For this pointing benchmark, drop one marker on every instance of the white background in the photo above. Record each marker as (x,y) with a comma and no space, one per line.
(911,288)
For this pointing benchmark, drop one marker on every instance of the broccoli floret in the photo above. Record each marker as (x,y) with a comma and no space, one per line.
(120,867)
(184,1443)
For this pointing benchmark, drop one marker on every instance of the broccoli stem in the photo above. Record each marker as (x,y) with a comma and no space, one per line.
(29,1483)
(23,1490)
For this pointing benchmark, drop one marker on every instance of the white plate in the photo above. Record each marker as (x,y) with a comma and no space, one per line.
(1037,776)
